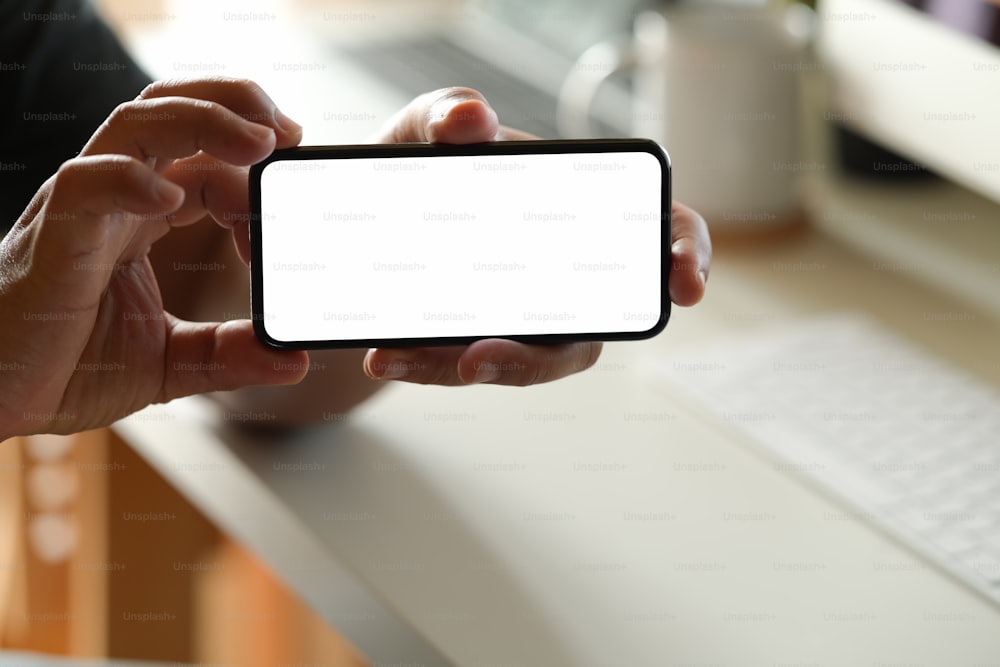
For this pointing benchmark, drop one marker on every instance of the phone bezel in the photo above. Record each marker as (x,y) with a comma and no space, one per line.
(500,148)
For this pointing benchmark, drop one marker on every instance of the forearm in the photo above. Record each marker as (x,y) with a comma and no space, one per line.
(202,278)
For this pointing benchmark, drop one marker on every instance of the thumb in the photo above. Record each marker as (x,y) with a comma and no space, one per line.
(449,115)
(202,357)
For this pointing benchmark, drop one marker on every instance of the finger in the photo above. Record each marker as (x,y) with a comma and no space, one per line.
(506,362)
(177,127)
(241,96)
(204,357)
(423,365)
(214,187)
(75,225)
(241,239)
(217,188)
(494,361)
(210,186)
(509,134)
(691,256)
(449,115)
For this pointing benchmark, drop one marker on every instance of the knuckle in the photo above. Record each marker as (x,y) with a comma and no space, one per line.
(67,171)
(130,114)
(167,87)
(200,112)
(591,353)
(71,171)
(65,178)
(537,373)
(217,80)
(152,90)
(436,374)
(206,106)
(251,87)
(244,87)
(538,377)
(121,113)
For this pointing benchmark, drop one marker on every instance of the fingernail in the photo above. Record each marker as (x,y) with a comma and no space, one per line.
(439,110)
(445,109)
(702,277)
(286,123)
(486,371)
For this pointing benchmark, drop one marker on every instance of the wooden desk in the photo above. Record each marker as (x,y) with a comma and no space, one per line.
(139,572)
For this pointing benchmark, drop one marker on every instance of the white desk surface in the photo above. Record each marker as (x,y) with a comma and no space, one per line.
(476,511)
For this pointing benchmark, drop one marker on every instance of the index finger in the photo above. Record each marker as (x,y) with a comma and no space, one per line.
(243,97)
(230,118)
(492,360)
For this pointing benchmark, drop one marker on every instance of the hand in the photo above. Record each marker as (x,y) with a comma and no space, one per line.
(85,339)
(462,116)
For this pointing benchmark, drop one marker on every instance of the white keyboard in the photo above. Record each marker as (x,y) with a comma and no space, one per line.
(911,442)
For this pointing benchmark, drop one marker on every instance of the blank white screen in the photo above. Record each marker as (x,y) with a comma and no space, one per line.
(382,248)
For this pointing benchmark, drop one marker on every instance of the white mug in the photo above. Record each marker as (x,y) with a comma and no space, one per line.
(718,87)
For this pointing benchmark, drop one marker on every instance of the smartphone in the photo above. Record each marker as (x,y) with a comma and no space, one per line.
(400,245)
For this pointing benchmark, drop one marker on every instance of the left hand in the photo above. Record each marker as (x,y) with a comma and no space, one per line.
(462,116)
(84,322)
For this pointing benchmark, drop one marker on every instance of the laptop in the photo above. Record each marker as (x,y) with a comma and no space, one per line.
(516,52)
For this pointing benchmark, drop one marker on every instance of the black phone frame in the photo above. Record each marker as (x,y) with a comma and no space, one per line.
(499,148)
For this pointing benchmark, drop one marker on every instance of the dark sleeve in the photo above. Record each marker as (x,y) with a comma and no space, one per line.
(62,72)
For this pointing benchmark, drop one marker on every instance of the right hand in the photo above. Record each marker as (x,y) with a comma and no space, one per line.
(85,339)
(463,116)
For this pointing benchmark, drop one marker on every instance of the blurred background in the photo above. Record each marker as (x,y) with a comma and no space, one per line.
(874,123)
